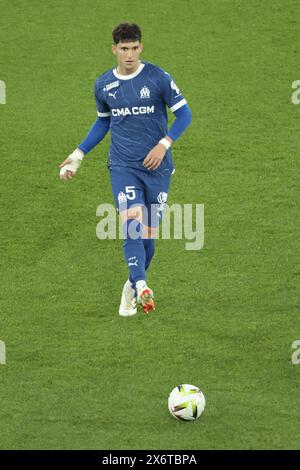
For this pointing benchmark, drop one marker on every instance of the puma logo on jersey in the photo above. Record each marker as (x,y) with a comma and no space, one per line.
(113,94)
(134,110)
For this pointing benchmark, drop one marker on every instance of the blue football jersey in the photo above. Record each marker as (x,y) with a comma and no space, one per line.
(137,107)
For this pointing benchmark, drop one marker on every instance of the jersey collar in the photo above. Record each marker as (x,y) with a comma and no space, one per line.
(132,75)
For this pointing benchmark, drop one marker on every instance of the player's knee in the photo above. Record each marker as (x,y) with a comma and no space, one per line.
(132,213)
(133,231)
(132,226)
(149,232)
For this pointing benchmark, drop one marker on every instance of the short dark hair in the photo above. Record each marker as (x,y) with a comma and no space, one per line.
(126,32)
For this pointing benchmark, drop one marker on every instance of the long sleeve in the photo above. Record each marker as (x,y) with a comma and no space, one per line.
(97,133)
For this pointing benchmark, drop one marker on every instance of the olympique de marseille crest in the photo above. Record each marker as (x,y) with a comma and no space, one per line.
(144,93)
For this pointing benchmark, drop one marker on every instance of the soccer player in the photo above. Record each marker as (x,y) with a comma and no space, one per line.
(131,102)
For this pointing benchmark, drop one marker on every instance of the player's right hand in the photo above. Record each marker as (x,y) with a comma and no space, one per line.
(69,167)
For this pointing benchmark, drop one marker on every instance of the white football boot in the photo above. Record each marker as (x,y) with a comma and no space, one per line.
(128,301)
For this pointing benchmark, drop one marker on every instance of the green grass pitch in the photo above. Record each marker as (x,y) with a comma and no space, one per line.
(77,375)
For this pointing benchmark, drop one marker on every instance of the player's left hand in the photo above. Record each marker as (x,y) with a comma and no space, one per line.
(70,165)
(155,157)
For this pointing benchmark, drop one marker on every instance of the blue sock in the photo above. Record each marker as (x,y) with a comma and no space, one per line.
(149,245)
(134,250)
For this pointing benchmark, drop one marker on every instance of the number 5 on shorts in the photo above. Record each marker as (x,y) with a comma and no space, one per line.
(130,192)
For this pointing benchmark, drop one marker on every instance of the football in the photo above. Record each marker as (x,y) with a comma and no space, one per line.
(186,402)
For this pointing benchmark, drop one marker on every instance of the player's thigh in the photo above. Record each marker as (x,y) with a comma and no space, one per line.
(128,192)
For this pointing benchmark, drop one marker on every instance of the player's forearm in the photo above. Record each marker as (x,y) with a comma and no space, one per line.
(97,133)
(182,121)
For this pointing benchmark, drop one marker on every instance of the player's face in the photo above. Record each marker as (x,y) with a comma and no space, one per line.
(128,55)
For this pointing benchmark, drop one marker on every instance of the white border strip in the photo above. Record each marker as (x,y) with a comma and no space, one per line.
(178,105)
(132,75)
(103,114)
